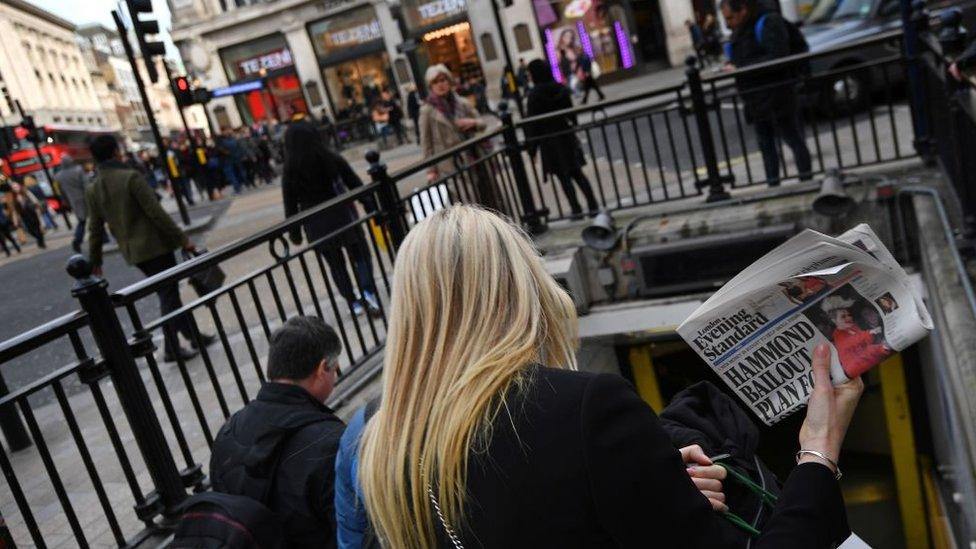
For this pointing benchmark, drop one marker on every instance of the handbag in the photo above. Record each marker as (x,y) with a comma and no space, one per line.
(207,280)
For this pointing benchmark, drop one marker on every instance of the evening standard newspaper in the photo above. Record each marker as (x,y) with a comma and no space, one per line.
(758,331)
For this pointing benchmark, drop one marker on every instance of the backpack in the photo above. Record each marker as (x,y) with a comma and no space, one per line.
(798,42)
(213,520)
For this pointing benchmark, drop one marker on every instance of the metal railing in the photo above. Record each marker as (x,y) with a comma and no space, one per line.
(682,142)
(949,108)
(113,389)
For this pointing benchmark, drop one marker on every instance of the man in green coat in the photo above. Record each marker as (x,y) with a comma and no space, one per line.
(146,234)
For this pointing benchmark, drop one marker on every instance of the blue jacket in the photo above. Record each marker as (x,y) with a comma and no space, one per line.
(350,513)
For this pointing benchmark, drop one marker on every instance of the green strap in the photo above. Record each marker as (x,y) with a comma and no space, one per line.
(765,496)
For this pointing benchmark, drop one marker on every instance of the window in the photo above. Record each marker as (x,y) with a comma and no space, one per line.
(523,40)
(57,119)
(488,47)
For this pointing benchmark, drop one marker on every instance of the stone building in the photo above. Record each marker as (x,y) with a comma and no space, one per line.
(42,66)
(273,59)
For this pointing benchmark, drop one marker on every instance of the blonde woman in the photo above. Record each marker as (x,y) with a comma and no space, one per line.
(487,437)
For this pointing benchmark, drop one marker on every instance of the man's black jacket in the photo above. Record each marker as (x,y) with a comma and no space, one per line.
(284,420)
(763,98)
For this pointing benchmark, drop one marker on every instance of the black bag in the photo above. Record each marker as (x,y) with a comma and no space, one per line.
(213,520)
(207,280)
(798,42)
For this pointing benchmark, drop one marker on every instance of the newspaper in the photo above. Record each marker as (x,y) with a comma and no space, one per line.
(758,331)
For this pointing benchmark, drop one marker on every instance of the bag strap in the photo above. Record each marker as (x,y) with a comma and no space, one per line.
(279,455)
(760,24)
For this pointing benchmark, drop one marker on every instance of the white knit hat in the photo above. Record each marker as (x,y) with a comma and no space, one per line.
(434,71)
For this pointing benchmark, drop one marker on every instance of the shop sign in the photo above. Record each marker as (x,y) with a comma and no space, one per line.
(354,36)
(268,61)
(420,13)
(235,89)
(441,8)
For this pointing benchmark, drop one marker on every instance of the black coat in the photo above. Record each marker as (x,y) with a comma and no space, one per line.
(286,419)
(561,154)
(763,99)
(300,194)
(579,460)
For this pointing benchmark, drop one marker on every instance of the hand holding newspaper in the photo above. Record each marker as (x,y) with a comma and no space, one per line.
(758,331)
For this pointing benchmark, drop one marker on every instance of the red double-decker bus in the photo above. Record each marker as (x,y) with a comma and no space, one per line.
(56,141)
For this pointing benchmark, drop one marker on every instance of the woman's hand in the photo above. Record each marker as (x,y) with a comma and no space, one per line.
(466,124)
(829,411)
(706,476)
(955,72)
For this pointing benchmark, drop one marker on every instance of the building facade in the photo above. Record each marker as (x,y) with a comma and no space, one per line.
(274,59)
(42,66)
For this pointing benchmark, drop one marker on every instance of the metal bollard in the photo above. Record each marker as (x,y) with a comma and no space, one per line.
(533,218)
(91,292)
(716,189)
(389,198)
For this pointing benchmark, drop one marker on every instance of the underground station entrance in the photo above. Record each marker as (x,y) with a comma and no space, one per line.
(632,297)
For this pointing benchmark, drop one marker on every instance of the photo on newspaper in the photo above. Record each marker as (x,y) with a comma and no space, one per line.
(759,330)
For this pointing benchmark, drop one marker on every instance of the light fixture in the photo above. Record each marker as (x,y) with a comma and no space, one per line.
(446,31)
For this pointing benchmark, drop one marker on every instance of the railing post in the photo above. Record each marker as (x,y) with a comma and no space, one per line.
(105,327)
(532,218)
(914,22)
(389,198)
(716,190)
(10,423)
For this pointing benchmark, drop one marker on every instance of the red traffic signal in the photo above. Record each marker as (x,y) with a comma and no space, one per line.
(182,91)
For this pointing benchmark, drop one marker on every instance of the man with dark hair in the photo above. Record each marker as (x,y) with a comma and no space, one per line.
(286,438)
(146,234)
(760,34)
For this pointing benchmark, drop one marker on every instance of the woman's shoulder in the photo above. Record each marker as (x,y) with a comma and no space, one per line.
(569,385)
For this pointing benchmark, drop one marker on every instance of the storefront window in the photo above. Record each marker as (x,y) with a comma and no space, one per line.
(590,27)
(453,46)
(353,58)
(269,60)
(357,83)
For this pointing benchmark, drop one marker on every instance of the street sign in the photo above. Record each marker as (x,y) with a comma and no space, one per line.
(241,87)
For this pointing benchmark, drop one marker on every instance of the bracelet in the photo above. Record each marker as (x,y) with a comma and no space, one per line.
(821,455)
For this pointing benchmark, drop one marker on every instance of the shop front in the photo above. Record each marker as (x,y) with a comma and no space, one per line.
(352,56)
(442,34)
(617,35)
(267,60)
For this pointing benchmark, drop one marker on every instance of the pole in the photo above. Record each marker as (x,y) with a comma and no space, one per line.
(92,293)
(509,66)
(40,158)
(716,189)
(533,218)
(914,20)
(184,216)
(186,127)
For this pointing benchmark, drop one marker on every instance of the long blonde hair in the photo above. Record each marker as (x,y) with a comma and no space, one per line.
(472,306)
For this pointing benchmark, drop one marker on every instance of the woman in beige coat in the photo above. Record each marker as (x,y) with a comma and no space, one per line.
(447,119)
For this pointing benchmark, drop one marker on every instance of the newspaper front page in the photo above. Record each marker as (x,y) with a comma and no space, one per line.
(758,331)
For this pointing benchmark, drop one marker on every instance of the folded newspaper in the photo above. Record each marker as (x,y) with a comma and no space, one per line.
(758,332)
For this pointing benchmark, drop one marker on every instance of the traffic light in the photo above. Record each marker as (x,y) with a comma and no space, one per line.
(201,96)
(182,91)
(7,140)
(27,122)
(150,48)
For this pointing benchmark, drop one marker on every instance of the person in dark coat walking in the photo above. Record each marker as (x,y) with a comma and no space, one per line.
(486,436)
(314,174)
(562,156)
(769,96)
(413,110)
(289,426)
(146,234)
